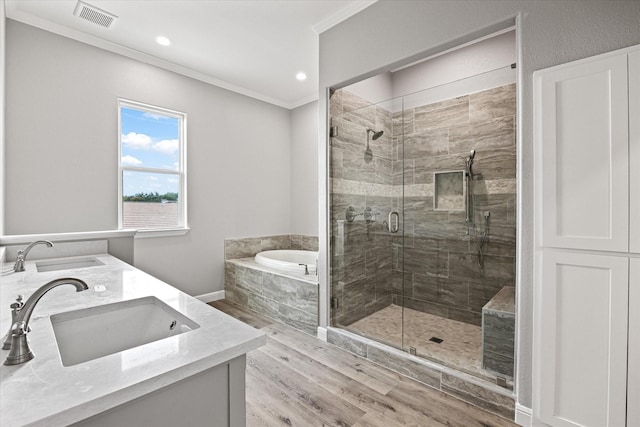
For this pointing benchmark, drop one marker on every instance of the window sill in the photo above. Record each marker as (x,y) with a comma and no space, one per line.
(168,232)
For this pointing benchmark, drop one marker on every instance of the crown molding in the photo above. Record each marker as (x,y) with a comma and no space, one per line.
(344,14)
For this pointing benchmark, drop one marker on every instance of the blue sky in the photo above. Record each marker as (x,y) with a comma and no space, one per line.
(149,140)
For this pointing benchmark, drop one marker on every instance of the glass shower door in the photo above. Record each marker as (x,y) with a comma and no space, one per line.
(365,217)
(459,152)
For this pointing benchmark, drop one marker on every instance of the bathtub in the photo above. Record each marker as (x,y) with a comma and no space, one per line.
(288,260)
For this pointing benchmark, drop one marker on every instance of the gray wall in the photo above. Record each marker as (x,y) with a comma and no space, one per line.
(304,170)
(392,33)
(61,153)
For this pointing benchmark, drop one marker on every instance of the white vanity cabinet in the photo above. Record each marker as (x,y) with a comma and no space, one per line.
(587,228)
(634,151)
(584,138)
(633,408)
(583,339)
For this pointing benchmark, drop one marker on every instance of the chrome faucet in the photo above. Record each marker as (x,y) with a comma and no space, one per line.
(22,254)
(20,351)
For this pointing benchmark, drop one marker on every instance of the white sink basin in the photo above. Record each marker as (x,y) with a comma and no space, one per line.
(65,264)
(90,333)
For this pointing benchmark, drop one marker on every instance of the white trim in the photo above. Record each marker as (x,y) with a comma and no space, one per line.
(453,49)
(211,296)
(180,173)
(322,333)
(342,15)
(523,416)
(303,101)
(168,232)
(521,331)
(66,237)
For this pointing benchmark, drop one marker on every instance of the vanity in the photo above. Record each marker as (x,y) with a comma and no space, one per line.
(129,350)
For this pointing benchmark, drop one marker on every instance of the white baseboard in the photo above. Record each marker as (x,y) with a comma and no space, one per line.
(322,333)
(524,416)
(212,296)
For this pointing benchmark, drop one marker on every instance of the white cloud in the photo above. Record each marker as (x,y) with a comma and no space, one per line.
(137,141)
(152,178)
(166,146)
(153,116)
(130,160)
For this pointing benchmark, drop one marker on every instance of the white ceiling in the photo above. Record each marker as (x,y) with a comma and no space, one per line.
(254,47)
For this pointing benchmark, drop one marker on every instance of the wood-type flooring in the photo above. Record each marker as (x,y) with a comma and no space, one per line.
(299,380)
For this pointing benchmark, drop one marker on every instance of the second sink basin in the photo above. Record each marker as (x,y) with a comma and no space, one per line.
(90,333)
(66,264)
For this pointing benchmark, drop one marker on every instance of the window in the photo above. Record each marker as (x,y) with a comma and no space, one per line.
(152,167)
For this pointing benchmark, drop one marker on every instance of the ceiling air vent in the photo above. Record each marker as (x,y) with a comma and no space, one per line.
(94,14)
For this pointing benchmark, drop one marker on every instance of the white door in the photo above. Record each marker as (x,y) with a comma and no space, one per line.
(582,130)
(634,152)
(581,340)
(633,394)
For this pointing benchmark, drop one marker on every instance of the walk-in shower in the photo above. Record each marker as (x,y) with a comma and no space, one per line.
(439,164)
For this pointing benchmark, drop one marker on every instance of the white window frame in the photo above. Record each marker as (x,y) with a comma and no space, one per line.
(182,226)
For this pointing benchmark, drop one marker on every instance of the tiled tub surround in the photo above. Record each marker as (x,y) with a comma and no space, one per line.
(249,246)
(441,271)
(469,388)
(285,297)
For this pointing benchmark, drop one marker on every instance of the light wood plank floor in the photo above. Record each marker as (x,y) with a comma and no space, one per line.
(298,380)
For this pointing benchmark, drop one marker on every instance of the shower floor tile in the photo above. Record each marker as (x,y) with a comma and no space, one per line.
(461,346)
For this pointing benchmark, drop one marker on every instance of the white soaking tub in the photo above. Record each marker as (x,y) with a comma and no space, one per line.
(289,260)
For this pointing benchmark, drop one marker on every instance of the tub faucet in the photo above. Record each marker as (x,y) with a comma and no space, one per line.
(20,351)
(306,269)
(22,254)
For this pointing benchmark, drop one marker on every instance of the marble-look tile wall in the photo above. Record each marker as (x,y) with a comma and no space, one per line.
(250,246)
(285,298)
(438,251)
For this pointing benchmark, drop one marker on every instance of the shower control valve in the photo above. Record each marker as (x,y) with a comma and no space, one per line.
(370,215)
(351,214)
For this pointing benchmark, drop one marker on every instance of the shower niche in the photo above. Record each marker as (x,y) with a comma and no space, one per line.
(449,191)
(424,274)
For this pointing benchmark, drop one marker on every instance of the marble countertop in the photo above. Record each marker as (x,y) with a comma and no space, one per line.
(43,391)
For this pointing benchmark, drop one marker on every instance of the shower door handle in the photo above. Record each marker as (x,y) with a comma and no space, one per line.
(394,222)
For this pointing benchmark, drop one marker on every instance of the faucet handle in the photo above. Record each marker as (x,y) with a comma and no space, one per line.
(18,304)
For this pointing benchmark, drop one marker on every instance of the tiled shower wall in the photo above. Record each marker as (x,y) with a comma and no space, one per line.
(442,272)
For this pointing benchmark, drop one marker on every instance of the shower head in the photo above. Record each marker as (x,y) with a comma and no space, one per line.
(472,154)
(376,135)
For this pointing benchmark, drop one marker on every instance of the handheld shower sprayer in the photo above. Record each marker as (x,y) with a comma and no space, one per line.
(472,154)
(469,201)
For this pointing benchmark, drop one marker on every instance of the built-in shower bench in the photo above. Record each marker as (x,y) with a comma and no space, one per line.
(498,332)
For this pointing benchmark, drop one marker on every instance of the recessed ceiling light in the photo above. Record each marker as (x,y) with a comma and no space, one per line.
(162,40)
(301,76)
